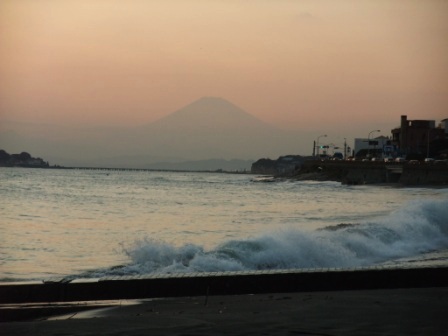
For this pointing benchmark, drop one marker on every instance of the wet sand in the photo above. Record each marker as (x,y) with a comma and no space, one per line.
(411,311)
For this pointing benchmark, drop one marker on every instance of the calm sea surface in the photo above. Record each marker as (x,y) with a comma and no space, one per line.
(91,223)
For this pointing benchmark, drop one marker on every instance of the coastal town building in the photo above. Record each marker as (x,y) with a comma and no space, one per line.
(376,147)
(444,125)
(415,136)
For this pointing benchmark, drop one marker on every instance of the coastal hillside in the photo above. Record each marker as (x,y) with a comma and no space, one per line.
(23,159)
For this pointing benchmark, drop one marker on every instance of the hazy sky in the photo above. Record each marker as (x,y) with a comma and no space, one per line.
(290,63)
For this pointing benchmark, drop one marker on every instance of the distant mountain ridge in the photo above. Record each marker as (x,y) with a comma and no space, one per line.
(209,113)
(208,128)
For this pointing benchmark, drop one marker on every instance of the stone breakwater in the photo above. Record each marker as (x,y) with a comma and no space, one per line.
(371,172)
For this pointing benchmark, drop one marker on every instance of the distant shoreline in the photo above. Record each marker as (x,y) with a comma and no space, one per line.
(375,174)
(219,171)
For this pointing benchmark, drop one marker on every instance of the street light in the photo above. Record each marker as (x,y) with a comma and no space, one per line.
(317,142)
(368,139)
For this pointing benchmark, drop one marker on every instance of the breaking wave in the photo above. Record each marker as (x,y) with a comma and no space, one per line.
(419,227)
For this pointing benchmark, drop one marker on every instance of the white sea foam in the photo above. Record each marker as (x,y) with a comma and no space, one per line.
(419,227)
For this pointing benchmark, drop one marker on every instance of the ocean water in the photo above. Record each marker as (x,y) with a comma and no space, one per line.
(94,223)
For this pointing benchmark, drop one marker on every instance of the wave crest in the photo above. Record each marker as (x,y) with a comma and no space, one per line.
(420,226)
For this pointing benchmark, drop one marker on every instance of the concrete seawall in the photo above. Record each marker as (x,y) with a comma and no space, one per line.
(349,172)
(226,283)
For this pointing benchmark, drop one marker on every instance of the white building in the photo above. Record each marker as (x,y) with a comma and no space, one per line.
(379,146)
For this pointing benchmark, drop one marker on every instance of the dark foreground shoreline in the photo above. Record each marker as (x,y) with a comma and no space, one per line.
(327,302)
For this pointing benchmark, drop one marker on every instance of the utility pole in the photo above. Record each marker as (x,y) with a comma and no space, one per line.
(345,149)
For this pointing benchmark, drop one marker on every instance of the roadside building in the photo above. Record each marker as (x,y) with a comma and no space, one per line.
(415,136)
(444,125)
(377,147)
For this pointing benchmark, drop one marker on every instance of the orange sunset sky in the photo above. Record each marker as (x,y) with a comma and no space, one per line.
(293,64)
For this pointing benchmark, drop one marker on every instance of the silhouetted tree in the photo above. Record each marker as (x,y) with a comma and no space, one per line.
(24,156)
(4,156)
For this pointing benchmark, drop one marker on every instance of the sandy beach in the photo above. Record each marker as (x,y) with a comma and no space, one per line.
(411,311)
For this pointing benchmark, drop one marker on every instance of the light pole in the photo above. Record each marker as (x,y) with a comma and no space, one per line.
(317,142)
(368,139)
